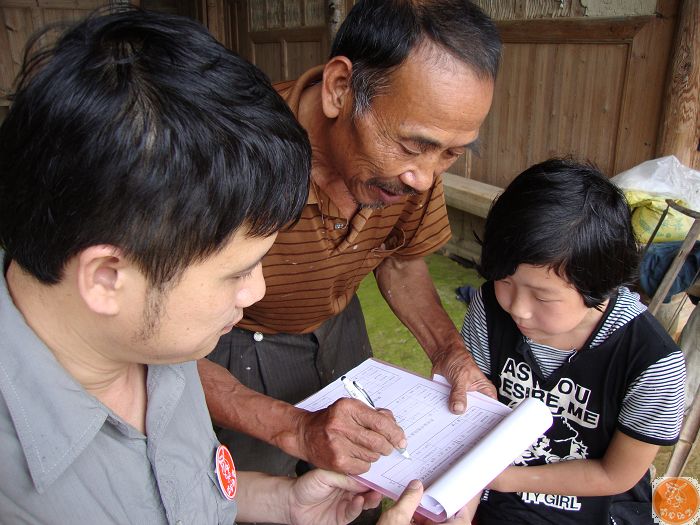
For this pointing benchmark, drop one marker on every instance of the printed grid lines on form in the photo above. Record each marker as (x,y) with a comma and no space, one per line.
(433,450)
(373,379)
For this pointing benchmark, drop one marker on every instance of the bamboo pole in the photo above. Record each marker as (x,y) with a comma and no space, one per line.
(686,441)
(687,245)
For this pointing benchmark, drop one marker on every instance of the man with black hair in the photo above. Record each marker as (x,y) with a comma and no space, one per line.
(404,94)
(144,172)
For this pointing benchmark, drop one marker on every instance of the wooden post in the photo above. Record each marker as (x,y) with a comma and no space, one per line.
(212,14)
(337,11)
(679,131)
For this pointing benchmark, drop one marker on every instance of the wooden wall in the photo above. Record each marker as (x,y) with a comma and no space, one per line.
(283,37)
(19,19)
(592,88)
(569,84)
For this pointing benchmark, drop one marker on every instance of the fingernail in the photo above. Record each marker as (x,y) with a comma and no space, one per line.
(458,407)
(414,484)
(403,443)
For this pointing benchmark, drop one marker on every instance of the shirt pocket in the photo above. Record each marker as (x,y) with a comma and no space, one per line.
(392,242)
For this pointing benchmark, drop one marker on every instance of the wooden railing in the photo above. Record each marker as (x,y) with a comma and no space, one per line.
(468,203)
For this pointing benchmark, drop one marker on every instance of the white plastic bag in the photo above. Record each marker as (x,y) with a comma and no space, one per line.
(664,177)
(648,185)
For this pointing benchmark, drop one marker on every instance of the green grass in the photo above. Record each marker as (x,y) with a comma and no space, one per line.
(392,342)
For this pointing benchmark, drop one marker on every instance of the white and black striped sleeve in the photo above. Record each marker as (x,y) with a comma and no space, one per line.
(475,334)
(654,404)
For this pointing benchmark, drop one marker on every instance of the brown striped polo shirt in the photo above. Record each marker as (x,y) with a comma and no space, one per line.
(314,268)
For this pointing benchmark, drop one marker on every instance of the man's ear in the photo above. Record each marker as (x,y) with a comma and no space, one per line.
(336,91)
(101,274)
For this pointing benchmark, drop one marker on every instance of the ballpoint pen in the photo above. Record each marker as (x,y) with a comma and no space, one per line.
(357,392)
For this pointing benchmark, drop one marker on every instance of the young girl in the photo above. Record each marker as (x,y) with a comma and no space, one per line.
(554,321)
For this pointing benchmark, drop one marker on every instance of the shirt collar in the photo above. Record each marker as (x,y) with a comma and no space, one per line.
(291,91)
(54,417)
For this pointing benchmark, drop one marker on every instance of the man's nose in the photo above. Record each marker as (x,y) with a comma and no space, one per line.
(418,178)
(255,290)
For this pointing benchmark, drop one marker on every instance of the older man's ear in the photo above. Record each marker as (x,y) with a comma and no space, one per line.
(336,92)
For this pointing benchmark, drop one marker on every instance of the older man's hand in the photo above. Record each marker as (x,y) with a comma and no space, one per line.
(457,365)
(348,436)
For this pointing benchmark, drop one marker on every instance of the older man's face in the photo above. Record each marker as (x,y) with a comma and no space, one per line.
(428,116)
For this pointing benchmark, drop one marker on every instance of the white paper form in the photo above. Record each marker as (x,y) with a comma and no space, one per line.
(437,439)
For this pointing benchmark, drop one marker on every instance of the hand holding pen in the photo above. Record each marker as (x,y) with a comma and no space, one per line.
(357,392)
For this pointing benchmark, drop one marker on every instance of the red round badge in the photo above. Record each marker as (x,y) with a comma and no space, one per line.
(226,472)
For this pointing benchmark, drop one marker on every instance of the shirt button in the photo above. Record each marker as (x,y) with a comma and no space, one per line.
(258,336)
(178,522)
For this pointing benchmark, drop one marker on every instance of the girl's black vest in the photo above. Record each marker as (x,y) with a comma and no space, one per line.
(585,395)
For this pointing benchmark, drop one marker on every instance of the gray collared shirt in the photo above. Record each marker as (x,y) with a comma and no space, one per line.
(67,458)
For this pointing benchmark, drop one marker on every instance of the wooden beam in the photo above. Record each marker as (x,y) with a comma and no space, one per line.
(214,19)
(469,250)
(649,57)
(679,132)
(469,195)
(572,30)
(302,34)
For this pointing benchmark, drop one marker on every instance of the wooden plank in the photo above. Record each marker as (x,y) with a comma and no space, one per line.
(302,56)
(571,30)
(469,195)
(292,14)
(525,9)
(456,220)
(242,30)
(315,13)
(642,99)
(268,57)
(463,242)
(469,250)
(19,25)
(302,34)
(285,51)
(64,17)
(7,67)
(552,100)
(17,3)
(274,13)
(74,5)
(336,14)
(284,54)
(20,19)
